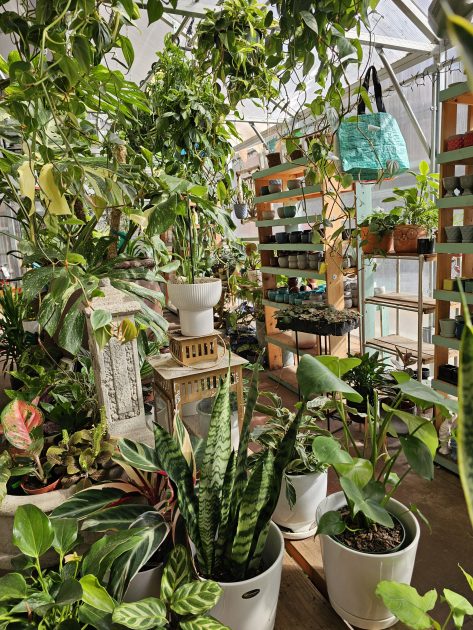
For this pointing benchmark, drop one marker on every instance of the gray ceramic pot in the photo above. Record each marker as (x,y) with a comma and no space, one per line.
(453,234)
(467,233)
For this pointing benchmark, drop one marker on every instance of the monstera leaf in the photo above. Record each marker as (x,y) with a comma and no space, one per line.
(19,420)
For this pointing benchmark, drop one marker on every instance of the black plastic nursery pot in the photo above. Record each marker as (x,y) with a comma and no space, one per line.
(319,328)
(425,245)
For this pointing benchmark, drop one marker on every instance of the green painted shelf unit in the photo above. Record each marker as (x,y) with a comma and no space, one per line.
(299,220)
(288,195)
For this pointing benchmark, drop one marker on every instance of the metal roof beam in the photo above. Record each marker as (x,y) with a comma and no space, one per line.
(392,43)
(417,17)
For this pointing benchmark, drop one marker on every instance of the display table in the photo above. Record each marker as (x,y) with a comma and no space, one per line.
(179,385)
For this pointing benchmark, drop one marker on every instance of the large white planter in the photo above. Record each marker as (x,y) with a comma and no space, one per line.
(195,303)
(352,576)
(310,490)
(45,502)
(145,584)
(252,604)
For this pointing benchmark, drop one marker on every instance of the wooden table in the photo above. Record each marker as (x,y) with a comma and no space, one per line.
(179,385)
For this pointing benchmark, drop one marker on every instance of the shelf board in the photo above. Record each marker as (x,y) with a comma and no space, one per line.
(286,342)
(389,343)
(286,376)
(427,257)
(459,156)
(286,195)
(286,168)
(292,247)
(402,301)
(299,220)
(462,201)
(446,462)
(278,305)
(457,93)
(454,248)
(452,296)
(293,273)
(446,342)
(446,388)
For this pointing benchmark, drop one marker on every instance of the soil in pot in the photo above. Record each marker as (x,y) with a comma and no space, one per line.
(376,539)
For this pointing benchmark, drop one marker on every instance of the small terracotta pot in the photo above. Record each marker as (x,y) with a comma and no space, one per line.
(49,488)
(405,238)
(374,242)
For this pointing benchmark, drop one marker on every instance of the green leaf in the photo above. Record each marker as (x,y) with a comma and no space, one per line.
(360,471)
(425,396)
(176,572)
(331,523)
(32,531)
(155,10)
(94,594)
(310,20)
(69,592)
(82,52)
(370,507)
(196,597)
(316,379)
(12,586)
(100,318)
(468,577)
(459,606)
(418,456)
(72,330)
(34,281)
(328,450)
(423,428)
(65,534)
(138,455)
(115,518)
(97,619)
(406,603)
(202,623)
(127,49)
(87,502)
(147,614)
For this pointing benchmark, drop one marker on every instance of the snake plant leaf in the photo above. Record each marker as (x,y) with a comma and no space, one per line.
(315,379)
(137,455)
(147,614)
(32,531)
(212,474)
(202,623)
(18,420)
(465,415)
(196,597)
(226,525)
(406,603)
(89,501)
(177,572)
(418,456)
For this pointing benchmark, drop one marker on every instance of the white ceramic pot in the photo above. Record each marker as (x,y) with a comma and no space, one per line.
(45,502)
(310,489)
(251,604)
(204,414)
(195,303)
(145,584)
(352,576)
(306,340)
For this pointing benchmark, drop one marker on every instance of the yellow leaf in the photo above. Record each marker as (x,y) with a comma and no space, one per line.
(27,181)
(55,202)
(322,268)
(140,220)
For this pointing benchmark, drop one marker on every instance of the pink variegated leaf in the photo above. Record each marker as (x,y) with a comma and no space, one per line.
(18,420)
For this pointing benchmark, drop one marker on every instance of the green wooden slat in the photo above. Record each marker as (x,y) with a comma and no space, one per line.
(293,273)
(444,387)
(301,220)
(292,247)
(446,342)
(458,156)
(452,296)
(454,248)
(454,91)
(280,168)
(463,201)
(286,195)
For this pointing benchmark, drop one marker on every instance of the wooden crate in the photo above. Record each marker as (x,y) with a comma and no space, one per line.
(192,350)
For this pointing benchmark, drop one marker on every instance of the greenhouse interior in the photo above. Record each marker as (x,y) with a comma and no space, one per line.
(236,278)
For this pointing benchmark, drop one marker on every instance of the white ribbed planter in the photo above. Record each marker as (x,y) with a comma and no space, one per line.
(352,576)
(310,490)
(252,604)
(195,303)
(45,502)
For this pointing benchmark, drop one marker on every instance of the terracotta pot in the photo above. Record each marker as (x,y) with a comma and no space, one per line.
(49,488)
(374,242)
(405,238)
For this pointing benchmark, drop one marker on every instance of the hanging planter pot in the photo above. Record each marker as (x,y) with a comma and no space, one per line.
(406,236)
(241,210)
(251,604)
(195,303)
(352,576)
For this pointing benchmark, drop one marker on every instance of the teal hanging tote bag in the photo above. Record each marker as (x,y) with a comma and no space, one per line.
(371,145)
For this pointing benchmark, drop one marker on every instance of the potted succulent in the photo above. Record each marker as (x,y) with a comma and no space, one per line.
(376,232)
(416,214)
(365,534)
(304,483)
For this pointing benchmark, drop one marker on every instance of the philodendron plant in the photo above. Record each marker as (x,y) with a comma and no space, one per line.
(76,594)
(367,478)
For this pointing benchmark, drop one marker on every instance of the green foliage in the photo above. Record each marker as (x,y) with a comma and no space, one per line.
(13,339)
(380,222)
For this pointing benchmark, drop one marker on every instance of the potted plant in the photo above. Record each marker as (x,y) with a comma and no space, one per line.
(416,213)
(366,377)
(376,232)
(319,320)
(304,483)
(365,534)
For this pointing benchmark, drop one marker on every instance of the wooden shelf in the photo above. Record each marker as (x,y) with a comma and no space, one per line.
(462,201)
(291,247)
(454,248)
(293,273)
(286,342)
(402,301)
(299,220)
(286,168)
(459,156)
(278,305)
(457,93)
(446,342)
(389,343)
(287,195)
(446,388)
(427,257)
(452,296)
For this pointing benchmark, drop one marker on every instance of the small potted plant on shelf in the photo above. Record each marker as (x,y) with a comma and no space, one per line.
(417,213)
(366,377)
(305,478)
(363,530)
(243,205)
(376,232)
(318,320)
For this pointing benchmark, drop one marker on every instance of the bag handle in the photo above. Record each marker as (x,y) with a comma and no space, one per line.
(378,92)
